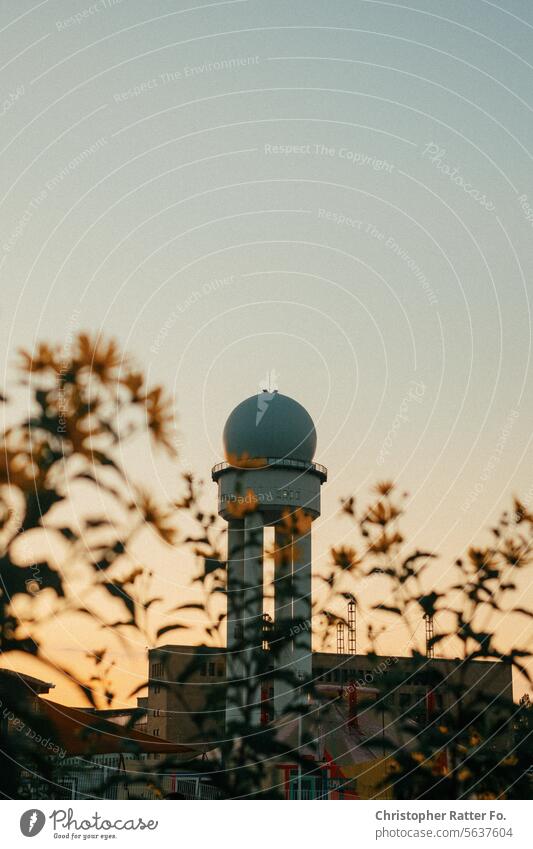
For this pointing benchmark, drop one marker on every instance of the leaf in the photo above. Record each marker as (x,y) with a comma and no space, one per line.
(523,611)
(120,623)
(387,609)
(151,601)
(192,606)
(416,556)
(166,628)
(138,689)
(117,591)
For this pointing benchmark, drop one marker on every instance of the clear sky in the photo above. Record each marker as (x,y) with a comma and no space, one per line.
(339,194)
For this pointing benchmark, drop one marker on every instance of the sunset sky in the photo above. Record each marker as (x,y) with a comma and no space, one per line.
(335,198)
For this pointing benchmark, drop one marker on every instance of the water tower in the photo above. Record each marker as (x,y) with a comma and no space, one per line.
(269,479)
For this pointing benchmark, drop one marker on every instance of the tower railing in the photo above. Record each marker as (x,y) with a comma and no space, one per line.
(285,462)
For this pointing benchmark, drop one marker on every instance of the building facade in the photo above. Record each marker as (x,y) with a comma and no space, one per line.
(187,686)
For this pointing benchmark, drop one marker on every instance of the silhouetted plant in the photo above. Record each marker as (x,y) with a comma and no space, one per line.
(84,403)
(466,748)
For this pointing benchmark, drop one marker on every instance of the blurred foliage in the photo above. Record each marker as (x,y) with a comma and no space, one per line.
(84,404)
(453,744)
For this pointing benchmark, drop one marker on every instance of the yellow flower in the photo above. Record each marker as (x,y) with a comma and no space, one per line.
(44,358)
(345,557)
(384,487)
(101,358)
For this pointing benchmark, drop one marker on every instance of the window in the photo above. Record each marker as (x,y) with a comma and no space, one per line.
(405,700)
(203,670)
(156,732)
(157,689)
(220,670)
(303,787)
(212,670)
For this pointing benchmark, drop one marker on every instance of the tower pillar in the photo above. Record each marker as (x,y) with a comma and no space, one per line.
(292,595)
(234,626)
(252,613)
(302,610)
(283,614)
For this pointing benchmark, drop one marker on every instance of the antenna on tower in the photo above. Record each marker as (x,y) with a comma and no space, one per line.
(352,626)
(430,633)
(340,637)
